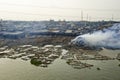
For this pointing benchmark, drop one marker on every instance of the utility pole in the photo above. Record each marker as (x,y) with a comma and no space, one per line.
(112,17)
(81,15)
(87,18)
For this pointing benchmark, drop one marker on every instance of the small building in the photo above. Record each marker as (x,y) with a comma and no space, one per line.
(68,31)
(13,35)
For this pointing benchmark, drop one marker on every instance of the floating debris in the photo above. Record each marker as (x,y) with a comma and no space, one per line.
(98,68)
(118,57)
(43,56)
(119,65)
(101,57)
(77,64)
(25,58)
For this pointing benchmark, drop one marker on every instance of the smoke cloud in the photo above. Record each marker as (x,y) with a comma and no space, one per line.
(107,38)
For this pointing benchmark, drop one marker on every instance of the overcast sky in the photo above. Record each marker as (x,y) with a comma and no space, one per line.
(59,9)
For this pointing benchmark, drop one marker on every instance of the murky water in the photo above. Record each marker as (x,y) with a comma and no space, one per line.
(59,70)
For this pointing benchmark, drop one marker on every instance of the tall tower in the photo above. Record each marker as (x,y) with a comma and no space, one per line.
(81,15)
(112,17)
(87,17)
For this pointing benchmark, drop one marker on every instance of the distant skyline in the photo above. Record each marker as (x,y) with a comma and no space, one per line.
(93,10)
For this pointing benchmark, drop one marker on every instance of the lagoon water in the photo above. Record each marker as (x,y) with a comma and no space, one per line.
(23,70)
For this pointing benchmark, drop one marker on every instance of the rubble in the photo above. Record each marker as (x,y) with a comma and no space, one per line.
(101,57)
(44,56)
(118,57)
(85,55)
(6,53)
(25,58)
(17,55)
(40,56)
(77,64)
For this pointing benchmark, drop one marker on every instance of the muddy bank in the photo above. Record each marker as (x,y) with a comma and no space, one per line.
(38,41)
(47,54)
(43,51)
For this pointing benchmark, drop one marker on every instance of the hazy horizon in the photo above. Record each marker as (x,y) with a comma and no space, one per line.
(93,10)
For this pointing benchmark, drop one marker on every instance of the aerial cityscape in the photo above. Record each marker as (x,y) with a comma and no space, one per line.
(59,40)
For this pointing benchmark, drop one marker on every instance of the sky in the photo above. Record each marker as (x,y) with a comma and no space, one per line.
(92,10)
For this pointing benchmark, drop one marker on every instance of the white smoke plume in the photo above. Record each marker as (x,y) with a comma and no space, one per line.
(107,38)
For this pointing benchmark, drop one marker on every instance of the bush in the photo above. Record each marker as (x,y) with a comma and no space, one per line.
(35,62)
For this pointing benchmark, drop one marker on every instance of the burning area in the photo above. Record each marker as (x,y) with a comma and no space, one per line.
(106,38)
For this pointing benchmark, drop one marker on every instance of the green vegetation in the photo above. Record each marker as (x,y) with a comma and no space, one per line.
(98,68)
(35,62)
(68,62)
(119,65)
